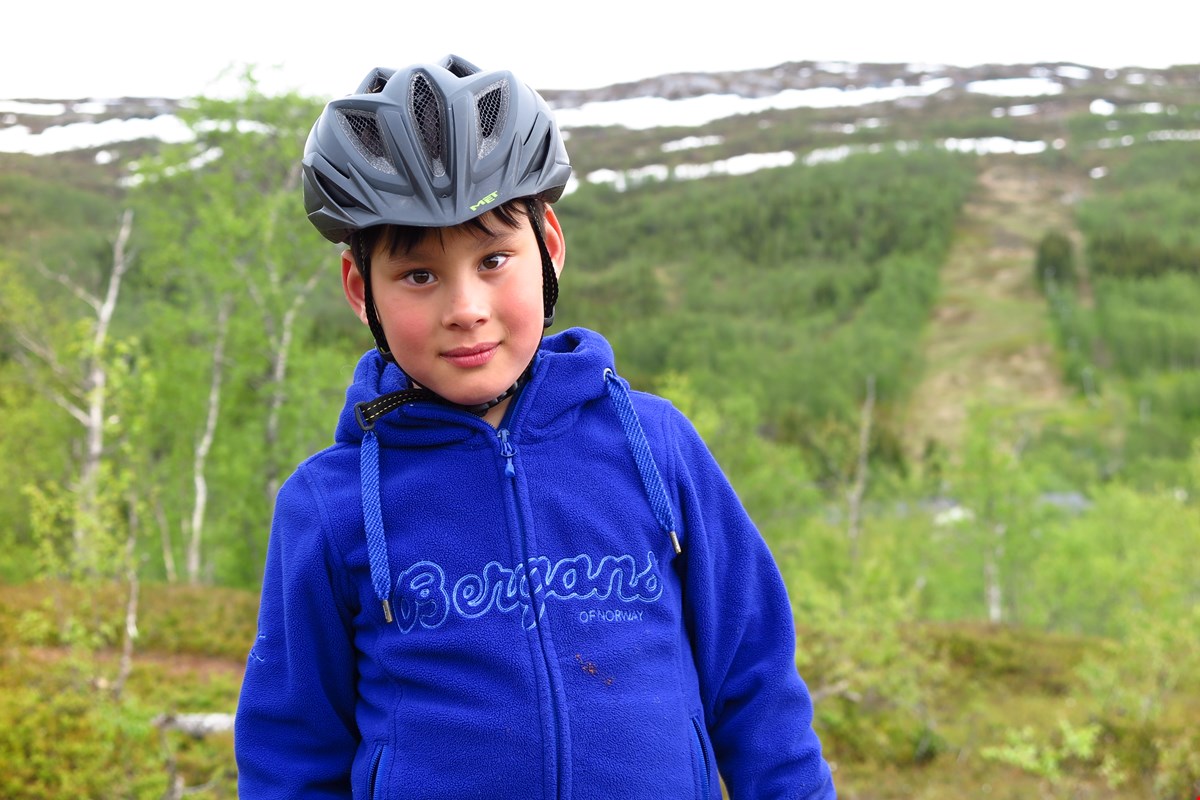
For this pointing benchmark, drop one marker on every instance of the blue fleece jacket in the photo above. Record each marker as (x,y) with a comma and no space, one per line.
(548,641)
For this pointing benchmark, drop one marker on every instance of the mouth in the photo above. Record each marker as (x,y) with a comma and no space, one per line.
(473,356)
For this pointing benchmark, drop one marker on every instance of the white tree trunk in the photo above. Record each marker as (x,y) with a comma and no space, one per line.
(84,396)
(992,589)
(200,457)
(131,602)
(96,387)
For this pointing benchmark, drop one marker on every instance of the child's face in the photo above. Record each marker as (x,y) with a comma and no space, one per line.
(462,310)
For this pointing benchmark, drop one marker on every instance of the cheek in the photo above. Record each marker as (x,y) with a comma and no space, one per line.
(404,323)
(525,314)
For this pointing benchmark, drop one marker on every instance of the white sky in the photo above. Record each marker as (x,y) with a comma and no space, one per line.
(97,48)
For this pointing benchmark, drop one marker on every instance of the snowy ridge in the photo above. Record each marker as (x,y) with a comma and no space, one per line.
(695,100)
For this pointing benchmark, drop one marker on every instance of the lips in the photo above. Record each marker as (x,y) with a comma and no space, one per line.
(472,356)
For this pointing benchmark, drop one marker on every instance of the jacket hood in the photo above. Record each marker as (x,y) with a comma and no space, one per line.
(577,358)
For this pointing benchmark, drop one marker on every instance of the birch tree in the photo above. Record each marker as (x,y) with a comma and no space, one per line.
(75,376)
(233,247)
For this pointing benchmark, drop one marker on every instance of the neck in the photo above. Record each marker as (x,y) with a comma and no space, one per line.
(494,415)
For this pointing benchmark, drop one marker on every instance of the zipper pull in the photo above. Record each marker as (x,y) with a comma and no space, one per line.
(507,451)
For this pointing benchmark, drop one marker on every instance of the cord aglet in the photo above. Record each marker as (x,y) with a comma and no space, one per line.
(387,610)
(675,543)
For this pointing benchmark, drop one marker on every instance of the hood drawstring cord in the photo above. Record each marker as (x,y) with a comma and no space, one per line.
(652,480)
(381,574)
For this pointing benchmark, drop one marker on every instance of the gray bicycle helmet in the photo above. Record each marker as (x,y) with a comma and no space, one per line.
(430,145)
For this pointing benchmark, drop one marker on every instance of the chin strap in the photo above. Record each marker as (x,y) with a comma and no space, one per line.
(549,276)
(368,411)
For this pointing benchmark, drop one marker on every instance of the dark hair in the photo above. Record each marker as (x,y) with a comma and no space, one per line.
(403,238)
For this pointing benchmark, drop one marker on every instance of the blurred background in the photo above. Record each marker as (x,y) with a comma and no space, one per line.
(924,276)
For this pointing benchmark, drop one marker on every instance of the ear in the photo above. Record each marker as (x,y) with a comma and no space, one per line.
(354,286)
(556,245)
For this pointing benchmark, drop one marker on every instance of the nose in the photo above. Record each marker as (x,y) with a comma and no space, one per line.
(467,306)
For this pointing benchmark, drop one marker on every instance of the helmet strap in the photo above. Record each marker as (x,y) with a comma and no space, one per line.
(364,268)
(549,276)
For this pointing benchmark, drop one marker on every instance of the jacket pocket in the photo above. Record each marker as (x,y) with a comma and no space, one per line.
(703,758)
(376,775)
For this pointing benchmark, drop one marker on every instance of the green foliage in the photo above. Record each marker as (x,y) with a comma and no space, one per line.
(1073,748)
(1145,689)
(61,741)
(1135,341)
(1138,550)
(763,306)
(800,283)
(873,682)
(62,731)
(1055,261)
(1123,254)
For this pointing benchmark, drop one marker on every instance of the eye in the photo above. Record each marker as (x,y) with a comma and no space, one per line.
(418,277)
(493,262)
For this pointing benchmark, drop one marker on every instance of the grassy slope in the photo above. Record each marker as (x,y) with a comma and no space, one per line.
(989,340)
(191,656)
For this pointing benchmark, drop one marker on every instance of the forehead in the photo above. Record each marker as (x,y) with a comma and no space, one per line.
(398,241)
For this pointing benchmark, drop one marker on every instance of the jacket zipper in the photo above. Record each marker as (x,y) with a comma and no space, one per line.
(507,452)
(374,785)
(704,765)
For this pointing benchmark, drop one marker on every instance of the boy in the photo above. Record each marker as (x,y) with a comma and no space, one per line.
(511,576)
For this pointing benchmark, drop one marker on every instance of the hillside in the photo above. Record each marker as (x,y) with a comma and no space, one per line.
(989,341)
(937,324)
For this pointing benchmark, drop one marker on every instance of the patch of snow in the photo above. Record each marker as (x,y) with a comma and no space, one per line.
(624,179)
(243,126)
(1016,87)
(691,143)
(738,165)
(838,67)
(1097,172)
(829,155)
(196,162)
(1076,73)
(93,107)
(642,113)
(83,135)
(33,109)
(994,144)
(1151,108)
(1102,108)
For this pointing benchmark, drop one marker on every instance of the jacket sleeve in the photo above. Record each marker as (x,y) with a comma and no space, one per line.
(294,733)
(757,708)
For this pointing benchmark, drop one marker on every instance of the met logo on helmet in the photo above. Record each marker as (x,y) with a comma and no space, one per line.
(485,200)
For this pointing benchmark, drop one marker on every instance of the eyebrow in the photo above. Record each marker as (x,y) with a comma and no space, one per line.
(484,240)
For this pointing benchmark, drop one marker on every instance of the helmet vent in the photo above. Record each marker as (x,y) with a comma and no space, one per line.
(491,112)
(379,80)
(362,129)
(427,114)
(459,68)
